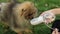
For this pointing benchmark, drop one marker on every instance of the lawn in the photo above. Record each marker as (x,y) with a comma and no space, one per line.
(42,5)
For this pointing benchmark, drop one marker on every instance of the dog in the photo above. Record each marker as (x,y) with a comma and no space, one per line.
(17,16)
(55,25)
(24,13)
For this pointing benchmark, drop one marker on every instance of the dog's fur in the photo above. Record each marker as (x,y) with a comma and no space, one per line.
(17,16)
(23,13)
(56,24)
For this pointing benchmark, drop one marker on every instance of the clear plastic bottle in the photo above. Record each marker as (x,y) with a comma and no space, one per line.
(40,19)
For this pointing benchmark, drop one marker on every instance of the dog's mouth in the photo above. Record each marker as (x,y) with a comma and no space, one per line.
(29,16)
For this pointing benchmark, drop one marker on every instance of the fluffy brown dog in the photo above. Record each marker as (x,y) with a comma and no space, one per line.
(19,18)
(23,13)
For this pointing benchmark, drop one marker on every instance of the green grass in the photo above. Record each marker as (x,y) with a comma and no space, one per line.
(42,5)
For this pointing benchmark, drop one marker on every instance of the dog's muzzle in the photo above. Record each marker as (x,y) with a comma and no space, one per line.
(29,16)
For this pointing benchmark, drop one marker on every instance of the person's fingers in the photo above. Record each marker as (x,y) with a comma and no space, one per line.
(53,32)
(56,30)
(48,21)
(48,17)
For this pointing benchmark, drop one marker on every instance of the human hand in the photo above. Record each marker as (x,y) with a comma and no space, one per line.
(55,31)
(48,16)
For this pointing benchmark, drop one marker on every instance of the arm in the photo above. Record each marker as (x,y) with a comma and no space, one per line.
(55,11)
(52,13)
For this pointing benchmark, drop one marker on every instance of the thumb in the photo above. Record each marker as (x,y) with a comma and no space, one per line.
(56,30)
(53,32)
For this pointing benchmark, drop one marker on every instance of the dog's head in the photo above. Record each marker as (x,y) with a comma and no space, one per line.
(27,10)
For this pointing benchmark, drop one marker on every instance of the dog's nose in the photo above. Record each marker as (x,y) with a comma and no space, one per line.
(29,14)
(31,18)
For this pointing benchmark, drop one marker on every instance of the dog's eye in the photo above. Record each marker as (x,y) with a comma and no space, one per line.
(23,9)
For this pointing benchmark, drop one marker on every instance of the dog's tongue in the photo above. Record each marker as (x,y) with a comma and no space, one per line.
(37,20)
